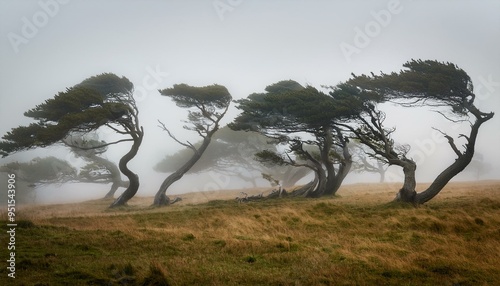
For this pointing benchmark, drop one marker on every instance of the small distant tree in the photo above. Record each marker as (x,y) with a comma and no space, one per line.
(98,169)
(363,163)
(38,172)
(206,107)
(100,101)
(232,153)
(444,87)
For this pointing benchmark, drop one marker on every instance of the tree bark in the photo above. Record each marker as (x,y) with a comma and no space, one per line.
(133,177)
(407,193)
(161,198)
(344,169)
(331,180)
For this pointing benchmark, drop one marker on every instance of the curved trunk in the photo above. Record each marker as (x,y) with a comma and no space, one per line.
(344,169)
(133,178)
(114,188)
(456,167)
(161,198)
(321,185)
(115,175)
(407,193)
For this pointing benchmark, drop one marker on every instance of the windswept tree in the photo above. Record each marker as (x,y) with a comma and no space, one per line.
(206,107)
(445,88)
(98,169)
(100,101)
(296,117)
(39,172)
(232,153)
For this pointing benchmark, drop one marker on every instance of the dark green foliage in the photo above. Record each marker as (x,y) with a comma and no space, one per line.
(423,82)
(42,170)
(83,108)
(185,96)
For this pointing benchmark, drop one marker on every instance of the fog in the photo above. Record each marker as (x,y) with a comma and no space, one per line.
(49,45)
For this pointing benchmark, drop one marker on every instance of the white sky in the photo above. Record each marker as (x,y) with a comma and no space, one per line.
(246,47)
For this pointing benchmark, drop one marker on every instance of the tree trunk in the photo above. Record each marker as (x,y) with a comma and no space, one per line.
(321,186)
(381,171)
(407,193)
(456,167)
(161,198)
(344,169)
(331,179)
(132,177)
(115,175)
(114,188)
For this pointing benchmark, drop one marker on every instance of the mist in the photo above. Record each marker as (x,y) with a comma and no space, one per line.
(50,45)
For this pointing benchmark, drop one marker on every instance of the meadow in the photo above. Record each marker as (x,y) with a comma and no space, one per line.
(355,238)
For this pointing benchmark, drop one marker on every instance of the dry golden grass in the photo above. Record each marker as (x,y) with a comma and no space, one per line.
(354,239)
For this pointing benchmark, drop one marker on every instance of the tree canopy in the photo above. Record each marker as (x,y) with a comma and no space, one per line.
(206,107)
(104,100)
(297,116)
(442,86)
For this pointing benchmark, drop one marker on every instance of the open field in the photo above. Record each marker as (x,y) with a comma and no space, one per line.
(209,239)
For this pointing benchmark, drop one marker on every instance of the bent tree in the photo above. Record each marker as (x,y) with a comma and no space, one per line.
(298,117)
(232,153)
(98,169)
(206,107)
(100,101)
(38,172)
(444,87)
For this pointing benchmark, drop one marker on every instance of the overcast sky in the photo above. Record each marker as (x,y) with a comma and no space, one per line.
(49,45)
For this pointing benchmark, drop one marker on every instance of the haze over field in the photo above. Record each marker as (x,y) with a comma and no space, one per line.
(47,46)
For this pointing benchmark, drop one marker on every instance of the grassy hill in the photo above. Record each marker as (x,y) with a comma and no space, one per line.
(209,239)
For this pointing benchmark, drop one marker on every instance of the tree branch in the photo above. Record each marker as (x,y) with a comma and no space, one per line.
(451,141)
(99,146)
(188,145)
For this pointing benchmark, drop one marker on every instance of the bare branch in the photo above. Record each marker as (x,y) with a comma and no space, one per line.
(99,146)
(451,141)
(447,118)
(188,145)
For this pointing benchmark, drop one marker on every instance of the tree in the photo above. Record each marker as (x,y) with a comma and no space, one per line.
(98,169)
(38,172)
(363,163)
(100,101)
(206,107)
(444,87)
(232,153)
(298,116)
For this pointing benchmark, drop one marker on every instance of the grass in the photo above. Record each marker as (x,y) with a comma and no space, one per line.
(348,240)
